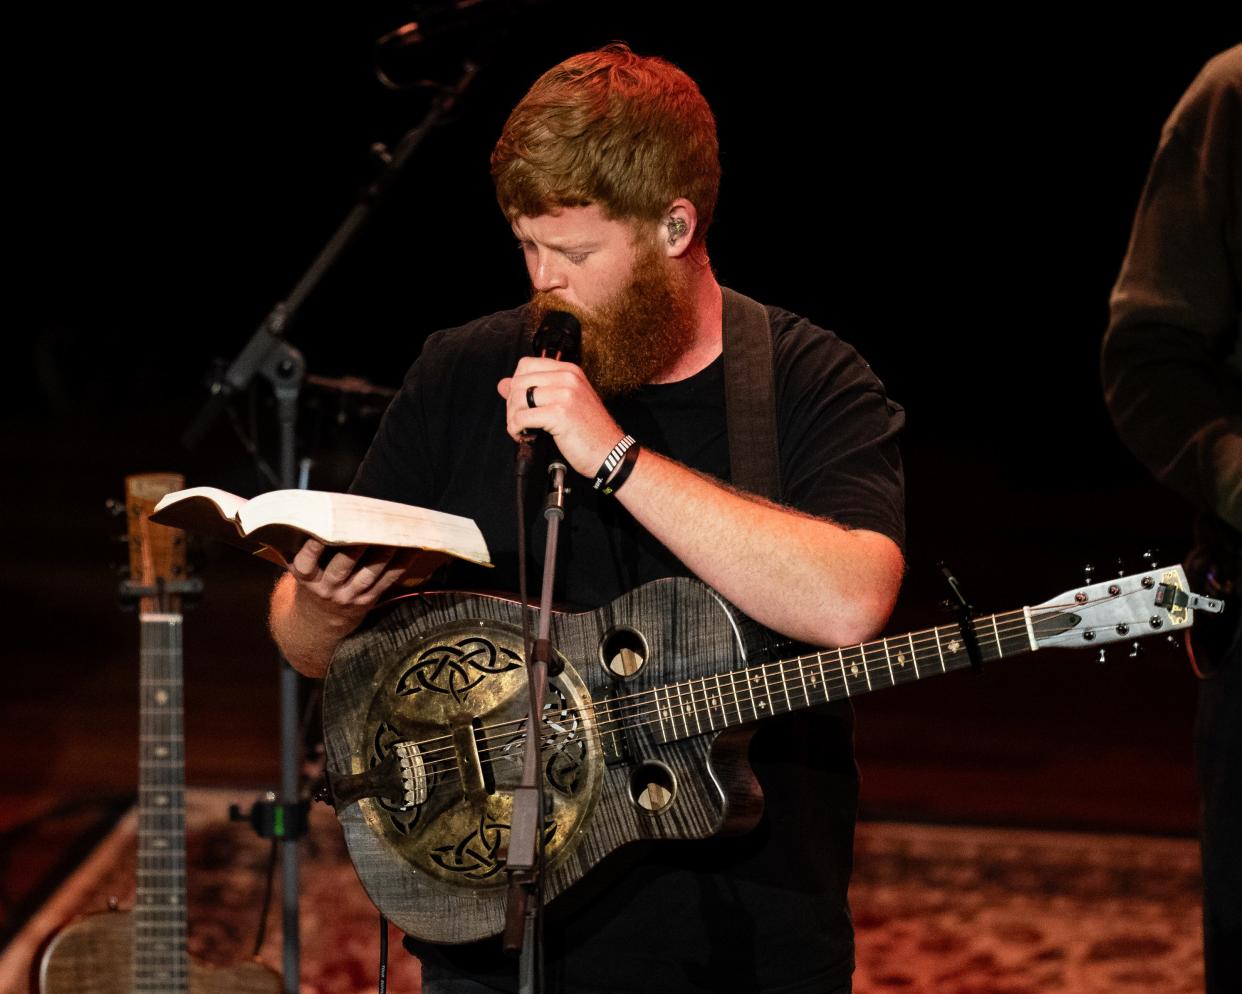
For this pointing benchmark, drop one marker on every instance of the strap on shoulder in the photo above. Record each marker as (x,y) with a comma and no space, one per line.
(750,396)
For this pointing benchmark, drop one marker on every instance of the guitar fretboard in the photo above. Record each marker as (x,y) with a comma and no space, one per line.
(160,963)
(737,697)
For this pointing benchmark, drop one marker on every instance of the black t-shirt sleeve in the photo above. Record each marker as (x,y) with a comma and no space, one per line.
(838,431)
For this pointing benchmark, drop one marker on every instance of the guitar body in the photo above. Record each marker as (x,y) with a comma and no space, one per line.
(444,670)
(93,956)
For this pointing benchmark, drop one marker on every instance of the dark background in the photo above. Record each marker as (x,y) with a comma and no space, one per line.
(952,195)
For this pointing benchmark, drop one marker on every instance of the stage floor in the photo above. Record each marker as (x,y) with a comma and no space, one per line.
(937,908)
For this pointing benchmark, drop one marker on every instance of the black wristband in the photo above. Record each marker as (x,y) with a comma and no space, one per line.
(612,465)
(622,472)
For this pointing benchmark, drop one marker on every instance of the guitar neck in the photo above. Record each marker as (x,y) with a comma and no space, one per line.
(159,954)
(738,697)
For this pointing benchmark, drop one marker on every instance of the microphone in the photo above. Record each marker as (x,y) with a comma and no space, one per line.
(559,336)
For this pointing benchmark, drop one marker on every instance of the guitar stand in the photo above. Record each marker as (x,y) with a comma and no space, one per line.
(965,618)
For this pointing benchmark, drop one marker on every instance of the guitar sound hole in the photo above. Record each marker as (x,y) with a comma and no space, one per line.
(652,787)
(623,652)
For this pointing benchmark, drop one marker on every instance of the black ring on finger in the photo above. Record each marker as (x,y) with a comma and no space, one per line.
(530,397)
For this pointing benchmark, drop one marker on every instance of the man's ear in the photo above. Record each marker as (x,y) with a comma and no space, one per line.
(679,225)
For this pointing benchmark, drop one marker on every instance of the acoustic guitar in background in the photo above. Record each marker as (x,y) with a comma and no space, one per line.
(143,951)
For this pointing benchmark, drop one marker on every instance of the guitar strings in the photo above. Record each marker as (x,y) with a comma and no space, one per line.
(749,693)
(624,706)
(918,640)
(754,690)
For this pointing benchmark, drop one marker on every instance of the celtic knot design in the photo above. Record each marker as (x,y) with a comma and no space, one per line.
(477,856)
(454,669)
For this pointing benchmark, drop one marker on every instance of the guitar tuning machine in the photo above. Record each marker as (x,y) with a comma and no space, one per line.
(1088,571)
(1135,649)
(1103,658)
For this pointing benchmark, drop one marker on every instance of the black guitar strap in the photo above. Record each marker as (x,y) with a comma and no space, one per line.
(750,396)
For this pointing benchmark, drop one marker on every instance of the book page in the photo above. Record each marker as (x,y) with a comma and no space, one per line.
(348,519)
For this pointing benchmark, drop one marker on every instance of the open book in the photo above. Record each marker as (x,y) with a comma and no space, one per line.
(275,524)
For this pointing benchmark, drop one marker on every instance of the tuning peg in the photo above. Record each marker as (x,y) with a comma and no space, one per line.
(1149,558)
(1088,571)
(1121,566)
(1103,659)
(1173,641)
(115,507)
(1135,649)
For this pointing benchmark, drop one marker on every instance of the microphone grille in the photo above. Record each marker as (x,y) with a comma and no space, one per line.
(559,336)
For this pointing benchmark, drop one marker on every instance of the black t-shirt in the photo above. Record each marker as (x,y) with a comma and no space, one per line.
(766,911)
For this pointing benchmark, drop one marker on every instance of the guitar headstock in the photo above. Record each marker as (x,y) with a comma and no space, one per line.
(1156,601)
(156,552)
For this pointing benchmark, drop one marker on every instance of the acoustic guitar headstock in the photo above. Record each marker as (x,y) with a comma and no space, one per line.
(156,552)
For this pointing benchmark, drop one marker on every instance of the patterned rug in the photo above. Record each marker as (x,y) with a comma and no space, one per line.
(938,910)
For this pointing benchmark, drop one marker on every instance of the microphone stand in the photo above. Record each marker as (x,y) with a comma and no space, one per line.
(269,354)
(524,863)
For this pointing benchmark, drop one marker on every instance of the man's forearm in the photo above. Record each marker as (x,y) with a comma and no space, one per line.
(305,631)
(803,576)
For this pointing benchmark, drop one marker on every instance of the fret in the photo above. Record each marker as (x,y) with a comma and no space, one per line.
(844,679)
(856,668)
(914,656)
(687,710)
(1000,650)
(660,715)
(698,724)
(823,677)
(752,679)
(888,661)
(724,717)
(785,688)
(761,673)
(939,650)
(806,691)
(737,698)
(809,684)
(862,651)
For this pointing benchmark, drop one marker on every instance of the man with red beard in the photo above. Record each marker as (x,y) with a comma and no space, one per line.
(608,171)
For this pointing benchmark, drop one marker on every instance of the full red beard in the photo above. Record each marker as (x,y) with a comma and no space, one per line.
(642,331)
